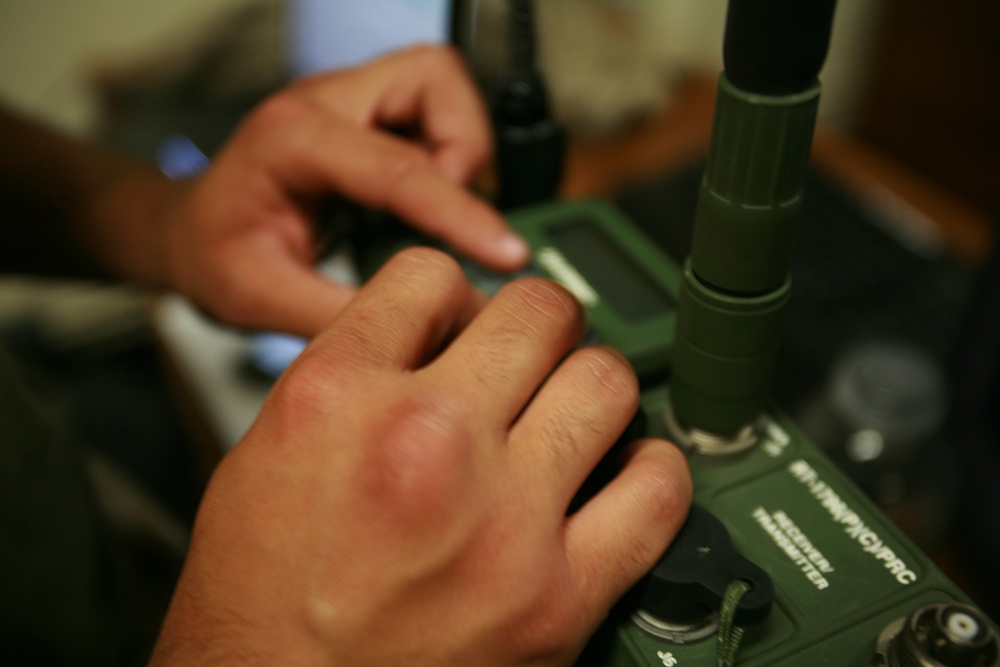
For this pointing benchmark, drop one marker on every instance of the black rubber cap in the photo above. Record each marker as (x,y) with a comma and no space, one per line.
(692,576)
(776,47)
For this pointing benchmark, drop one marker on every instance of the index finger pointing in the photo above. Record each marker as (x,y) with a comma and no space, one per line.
(313,153)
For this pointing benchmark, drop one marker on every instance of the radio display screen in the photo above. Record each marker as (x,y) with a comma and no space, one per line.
(617,278)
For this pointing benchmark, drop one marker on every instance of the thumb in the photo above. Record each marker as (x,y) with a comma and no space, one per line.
(282,294)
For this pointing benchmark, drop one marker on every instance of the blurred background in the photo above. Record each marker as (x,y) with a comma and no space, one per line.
(896,267)
(55,51)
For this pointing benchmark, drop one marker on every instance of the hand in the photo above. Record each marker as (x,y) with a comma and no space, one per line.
(402,497)
(240,241)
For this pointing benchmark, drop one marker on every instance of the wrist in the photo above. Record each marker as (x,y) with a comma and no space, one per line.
(126,221)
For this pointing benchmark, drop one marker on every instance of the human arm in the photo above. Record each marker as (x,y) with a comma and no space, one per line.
(56,192)
(239,239)
(403,496)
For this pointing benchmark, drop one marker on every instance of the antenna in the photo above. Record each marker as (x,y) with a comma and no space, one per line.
(736,281)
(531,145)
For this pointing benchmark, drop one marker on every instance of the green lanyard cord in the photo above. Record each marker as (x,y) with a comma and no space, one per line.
(730,634)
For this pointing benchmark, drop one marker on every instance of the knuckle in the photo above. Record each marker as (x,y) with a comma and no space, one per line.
(491,362)
(433,275)
(527,298)
(282,125)
(526,313)
(399,163)
(563,431)
(419,462)
(663,484)
(427,264)
(278,111)
(613,374)
(605,395)
(356,343)
(306,393)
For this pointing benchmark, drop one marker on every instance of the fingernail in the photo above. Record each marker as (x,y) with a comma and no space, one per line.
(514,249)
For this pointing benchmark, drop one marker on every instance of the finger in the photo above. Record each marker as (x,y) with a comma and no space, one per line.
(390,173)
(511,347)
(620,533)
(405,313)
(574,419)
(275,292)
(395,175)
(426,86)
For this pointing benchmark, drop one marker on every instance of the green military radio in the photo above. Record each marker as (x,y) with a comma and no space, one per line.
(783,561)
